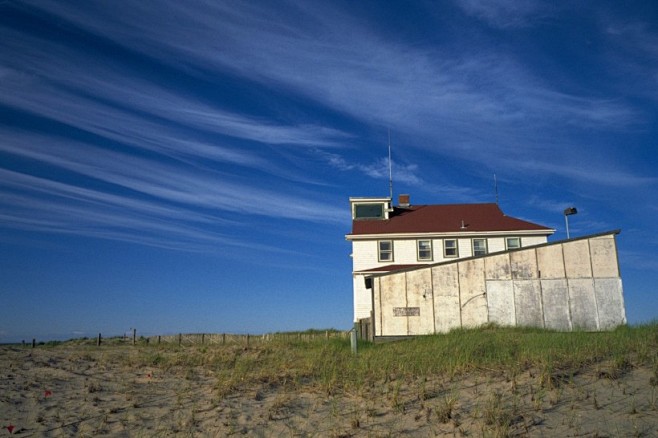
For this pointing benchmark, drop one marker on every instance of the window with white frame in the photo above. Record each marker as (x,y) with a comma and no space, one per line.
(450,248)
(479,247)
(424,249)
(513,242)
(368,211)
(385,250)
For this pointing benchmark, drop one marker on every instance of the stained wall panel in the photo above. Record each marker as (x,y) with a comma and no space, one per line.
(527,302)
(419,296)
(500,300)
(555,299)
(604,257)
(582,304)
(445,282)
(610,302)
(576,259)
(473,293)
(392,296)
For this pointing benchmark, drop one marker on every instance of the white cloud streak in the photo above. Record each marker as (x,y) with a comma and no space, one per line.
(603,177)
(407,174)
(505,13)
(477,104)
(163,168)
(155,204)
(171,184)
(354,71)
(479,100)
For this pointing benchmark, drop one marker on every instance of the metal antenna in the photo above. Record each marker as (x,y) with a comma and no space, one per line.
(390,166)
(496,188)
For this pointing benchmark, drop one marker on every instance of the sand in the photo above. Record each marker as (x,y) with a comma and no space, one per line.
(75,391)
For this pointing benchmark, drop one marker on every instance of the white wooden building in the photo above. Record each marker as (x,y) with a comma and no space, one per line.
(387,238)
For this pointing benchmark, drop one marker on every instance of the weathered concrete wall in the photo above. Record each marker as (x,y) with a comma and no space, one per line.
(565,286)
(555,297)
(445,295)
(473,293)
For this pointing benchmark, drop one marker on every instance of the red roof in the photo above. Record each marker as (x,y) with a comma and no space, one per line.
(445,219)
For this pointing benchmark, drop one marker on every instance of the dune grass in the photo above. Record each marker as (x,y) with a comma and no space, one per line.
(328,364)
(491,381)
(513,350)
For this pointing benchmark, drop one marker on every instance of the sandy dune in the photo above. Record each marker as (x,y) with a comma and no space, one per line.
(88,391)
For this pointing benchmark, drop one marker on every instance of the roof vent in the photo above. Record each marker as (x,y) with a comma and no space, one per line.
(463,227)
(403,200)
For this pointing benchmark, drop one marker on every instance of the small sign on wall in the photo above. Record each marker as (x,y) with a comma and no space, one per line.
(406,311)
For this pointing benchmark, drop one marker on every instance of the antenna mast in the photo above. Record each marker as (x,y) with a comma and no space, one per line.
(390,167)
(496,188)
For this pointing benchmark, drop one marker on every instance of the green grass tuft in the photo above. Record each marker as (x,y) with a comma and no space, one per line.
(329,366)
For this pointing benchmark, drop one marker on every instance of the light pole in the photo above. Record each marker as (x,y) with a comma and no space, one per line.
(568,212)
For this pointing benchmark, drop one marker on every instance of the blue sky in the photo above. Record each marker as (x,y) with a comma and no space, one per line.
(186,166)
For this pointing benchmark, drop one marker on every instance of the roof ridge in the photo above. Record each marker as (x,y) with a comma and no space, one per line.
(448,218)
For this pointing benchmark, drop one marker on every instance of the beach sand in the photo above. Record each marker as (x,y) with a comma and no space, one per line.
(101,391)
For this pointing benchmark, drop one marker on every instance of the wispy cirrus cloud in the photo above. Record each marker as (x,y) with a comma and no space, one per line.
(110,98)
(151,202)
(102,100)
(604,177)
(358,72)
(407,174)
(187,186)
(378,169)
(505,13)
(157,155)
(475,103)
(632,54)
(636,36)
(549,205)
(480,103)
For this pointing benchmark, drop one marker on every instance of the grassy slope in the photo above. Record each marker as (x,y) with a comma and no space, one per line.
(328,365)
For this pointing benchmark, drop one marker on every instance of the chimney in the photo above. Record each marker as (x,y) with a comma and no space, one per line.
(403,200)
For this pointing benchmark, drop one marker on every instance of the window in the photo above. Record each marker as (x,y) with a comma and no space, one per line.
(513,242)
(368,211)
(385,250)
(450,248)
(479,247)
(424,248)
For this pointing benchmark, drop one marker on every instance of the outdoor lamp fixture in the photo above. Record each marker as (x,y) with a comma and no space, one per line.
(568,212)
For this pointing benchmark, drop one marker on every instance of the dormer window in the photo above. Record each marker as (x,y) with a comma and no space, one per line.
(370,208)
(368,211)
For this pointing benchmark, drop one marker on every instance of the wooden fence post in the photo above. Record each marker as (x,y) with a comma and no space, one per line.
(180,339)
(134,336)
(223,338)
(372,326)
(353,341)
(98,343)
(34,342)
(158,339)
(247,340)
(202,338)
